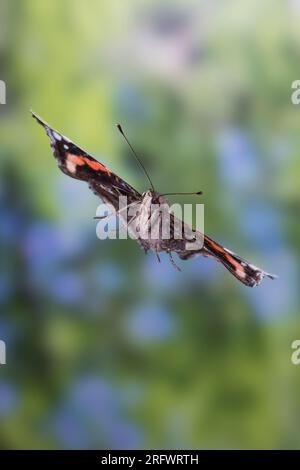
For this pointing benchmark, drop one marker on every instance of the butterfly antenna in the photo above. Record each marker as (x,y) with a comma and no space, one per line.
(135,155)
(185,194)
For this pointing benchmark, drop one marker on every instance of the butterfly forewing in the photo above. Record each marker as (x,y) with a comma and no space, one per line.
(79,164)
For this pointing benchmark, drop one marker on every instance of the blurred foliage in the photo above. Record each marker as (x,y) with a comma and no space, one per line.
(106,348)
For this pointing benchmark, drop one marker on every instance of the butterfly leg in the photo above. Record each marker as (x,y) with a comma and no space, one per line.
(157,256)
(173,262)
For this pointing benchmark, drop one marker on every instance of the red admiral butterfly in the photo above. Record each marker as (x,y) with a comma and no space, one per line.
(75,162)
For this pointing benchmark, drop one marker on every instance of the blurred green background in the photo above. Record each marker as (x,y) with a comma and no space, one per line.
(107,348)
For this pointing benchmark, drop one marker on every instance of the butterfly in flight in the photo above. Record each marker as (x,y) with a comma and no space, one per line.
(78,164)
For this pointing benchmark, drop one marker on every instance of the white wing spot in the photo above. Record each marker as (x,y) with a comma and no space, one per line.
(71,167)
(255,268)
(56,135)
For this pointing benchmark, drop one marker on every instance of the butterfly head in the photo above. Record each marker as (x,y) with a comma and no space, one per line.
(154,197)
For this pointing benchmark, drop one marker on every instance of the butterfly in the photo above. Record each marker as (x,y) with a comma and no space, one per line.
(78,164)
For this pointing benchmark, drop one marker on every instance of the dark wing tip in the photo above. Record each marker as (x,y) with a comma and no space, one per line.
(38,118)
(272,276)
(53,135)
(259,276)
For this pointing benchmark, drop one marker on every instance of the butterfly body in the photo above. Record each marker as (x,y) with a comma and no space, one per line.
(147,216)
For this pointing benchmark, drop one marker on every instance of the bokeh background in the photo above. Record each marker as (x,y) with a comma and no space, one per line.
(107,348)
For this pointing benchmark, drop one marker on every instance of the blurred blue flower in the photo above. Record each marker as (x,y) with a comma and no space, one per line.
(237,160)
(45,244)
(91,417)
(47,250)
(262,224)
(11,226)
(43,247)
(150,322)
(76,206)
(161,276)
(66,287)
(8,399)
(201,269)
(278,297)
(69,431)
